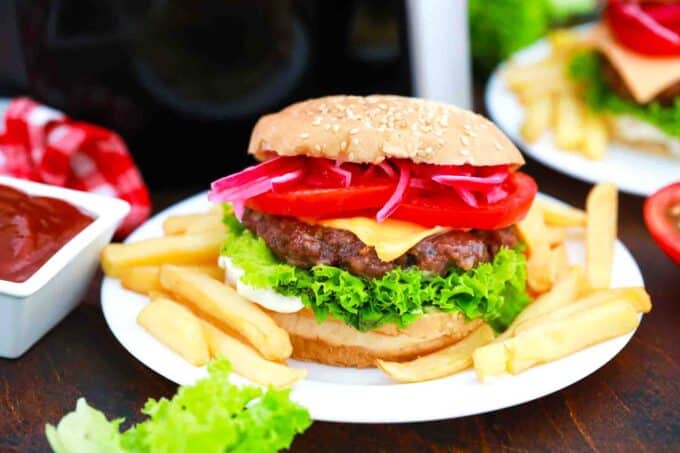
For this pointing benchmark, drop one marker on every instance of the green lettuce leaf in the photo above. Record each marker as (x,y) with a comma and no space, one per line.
(212,415)
(492,291)
(586,68)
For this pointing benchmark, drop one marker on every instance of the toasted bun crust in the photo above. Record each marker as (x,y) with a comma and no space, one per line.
(335,343)
(374,128)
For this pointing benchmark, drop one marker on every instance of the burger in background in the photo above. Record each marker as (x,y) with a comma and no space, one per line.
(377,227)
(631,73)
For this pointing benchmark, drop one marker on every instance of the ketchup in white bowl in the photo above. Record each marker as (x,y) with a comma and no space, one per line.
(32,230)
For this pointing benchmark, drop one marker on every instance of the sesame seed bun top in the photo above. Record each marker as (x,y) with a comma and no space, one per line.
(374,128)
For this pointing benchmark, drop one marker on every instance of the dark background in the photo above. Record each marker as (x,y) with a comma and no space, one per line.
(183,81)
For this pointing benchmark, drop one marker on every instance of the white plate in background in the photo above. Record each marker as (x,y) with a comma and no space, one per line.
(633,171)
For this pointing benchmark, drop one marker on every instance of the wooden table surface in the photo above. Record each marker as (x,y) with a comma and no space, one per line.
(631,404)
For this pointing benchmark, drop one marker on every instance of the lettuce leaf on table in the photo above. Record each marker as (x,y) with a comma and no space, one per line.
(212,415)
(586,68)
(492,291)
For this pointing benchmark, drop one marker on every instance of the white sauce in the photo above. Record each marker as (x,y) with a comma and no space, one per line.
(633,130)
(268,298)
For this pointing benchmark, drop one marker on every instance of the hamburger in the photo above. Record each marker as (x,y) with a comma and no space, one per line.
(632,73)
(378,227)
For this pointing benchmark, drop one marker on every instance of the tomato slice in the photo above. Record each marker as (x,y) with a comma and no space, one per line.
(323,202)
(451,211)
(439,208)
(647,28)
(662,216)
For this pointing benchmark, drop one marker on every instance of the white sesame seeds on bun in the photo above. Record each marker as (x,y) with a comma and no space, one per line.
(374,128)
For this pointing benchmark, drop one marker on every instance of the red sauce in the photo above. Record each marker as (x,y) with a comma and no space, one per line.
(32,229)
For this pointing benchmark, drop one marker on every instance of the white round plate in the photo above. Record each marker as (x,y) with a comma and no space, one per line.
(637,172)
(366,395)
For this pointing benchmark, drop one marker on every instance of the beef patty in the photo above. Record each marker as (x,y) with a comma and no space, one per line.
(618,85)
(305,245)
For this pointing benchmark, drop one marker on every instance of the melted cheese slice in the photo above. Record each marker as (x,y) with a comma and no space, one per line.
(645,77)
(391,238)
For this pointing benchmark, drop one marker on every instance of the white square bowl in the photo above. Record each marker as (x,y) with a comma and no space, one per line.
(31,308)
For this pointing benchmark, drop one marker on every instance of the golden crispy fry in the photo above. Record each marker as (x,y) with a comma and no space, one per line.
(558,87)
(564,42)
(558,214)
(247,362)
(536,119)
(602,207)
(568,121)
(218,209)
(535,235)
(556,235)
(637,297)
(562,293)
(207,224)
(444,362)
(187,249)
(546,72)
(564,336)
(179,224)
(146,279)
(221,302)
(595,137)
(559,262)
(490,360)
(177,327)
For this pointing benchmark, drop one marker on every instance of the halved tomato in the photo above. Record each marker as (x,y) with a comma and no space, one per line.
(439,208)
(662,216)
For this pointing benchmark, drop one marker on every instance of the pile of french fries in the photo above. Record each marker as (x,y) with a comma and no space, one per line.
(191,310)
(574,308)
(551,99)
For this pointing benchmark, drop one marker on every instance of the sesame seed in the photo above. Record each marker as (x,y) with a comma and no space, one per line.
(317,147)
(343,145)
(497,145)
(327,127)
(336,128)
(354,130)
(464,152)
(467,127)
(464,140)
(355,141)
(316,121)
(304,135)
(443,121)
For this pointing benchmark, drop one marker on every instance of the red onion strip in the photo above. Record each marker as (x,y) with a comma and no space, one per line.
(398,194)
(387,168)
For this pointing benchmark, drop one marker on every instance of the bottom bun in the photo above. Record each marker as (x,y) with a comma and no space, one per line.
(335,343)
(644,136)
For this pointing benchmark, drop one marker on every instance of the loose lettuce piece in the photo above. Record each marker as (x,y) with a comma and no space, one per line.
(212,415)
(492,291)
(586,68)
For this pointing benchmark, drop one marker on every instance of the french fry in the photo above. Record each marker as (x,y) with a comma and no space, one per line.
(637,297)
(565,290)
(444,362)
(594,137)
(221,302)
(558,214)
(247,362)
(146,279)
(535,234)
(559,87)
(568,121)
(559,262)
(490,360)
(179,224)
(553,340)
(556,235)
(207,224)
(601,206)
(536,119)
(177,327)
(187,249)
(543,72)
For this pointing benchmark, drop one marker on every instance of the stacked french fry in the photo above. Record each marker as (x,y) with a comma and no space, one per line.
(191,310)
(551,100)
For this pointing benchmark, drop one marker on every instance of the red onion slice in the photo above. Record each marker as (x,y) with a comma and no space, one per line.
(467,196)
(267,169)
(398,194)
(387,168)
(286,180)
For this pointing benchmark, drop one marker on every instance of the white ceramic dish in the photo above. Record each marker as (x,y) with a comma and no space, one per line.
(368,396)
(31,308)
(633,171)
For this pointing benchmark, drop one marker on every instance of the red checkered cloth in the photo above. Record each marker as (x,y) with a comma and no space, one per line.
(43,144)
